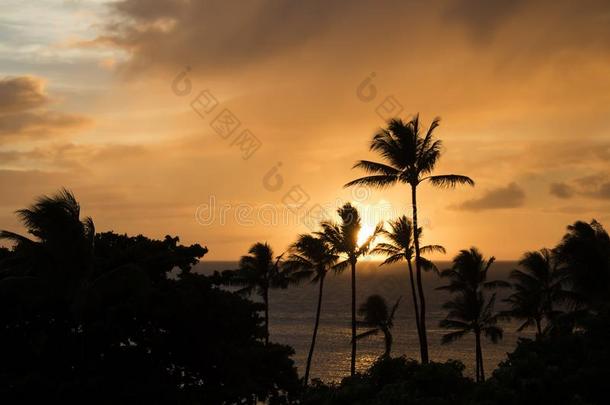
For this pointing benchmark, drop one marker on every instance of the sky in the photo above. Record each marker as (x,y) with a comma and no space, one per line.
(228,123)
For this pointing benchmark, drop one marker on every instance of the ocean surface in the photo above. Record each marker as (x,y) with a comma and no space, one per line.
(292,313)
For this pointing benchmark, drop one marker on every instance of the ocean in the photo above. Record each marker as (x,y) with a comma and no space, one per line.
(292,314)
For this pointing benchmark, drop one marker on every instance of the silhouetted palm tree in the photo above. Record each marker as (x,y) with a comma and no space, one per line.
(343,238)
(62,250)
(260,271)
(469,310)
(313,257)
(584,255)
(410,159)
(379,318)
(536,288)
(399,247)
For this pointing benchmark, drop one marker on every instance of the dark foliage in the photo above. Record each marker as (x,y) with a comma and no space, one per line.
(397,381)
(560,369)
(97,318)
(157,257)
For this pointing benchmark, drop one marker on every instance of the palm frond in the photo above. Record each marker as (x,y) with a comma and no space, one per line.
(432,249)
(394,308)
(497,284)
(449,180)
(453,336)
(377,181)
(368,333)
(376,168)
(393,259)
(16,238)
(494,333)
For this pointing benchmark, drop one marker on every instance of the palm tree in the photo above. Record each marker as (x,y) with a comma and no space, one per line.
(312,257)
(62,250)
(584,256)
(469,310)
(536,287)
(57,267)
(379,318)
(399,247)
(343,239)
(410,158)
(260,271)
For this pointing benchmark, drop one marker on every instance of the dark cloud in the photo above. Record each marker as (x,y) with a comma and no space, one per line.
(21,93)
(511,196)
(561,190)
(482,17)
(603,191)
(595,186)
(23,109)
(221,34)
(542,26)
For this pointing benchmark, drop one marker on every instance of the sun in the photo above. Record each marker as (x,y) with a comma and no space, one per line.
(366,230)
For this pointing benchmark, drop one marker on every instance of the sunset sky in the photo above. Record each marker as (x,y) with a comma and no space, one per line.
(90,100)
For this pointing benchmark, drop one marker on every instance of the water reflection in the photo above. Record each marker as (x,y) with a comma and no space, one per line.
(292,317)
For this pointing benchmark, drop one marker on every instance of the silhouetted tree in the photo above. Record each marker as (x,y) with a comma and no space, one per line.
(104,323)
(561,369)
(61,251)
(410,159)
(157,257)
(536,288)
(584,255)
(5,253)
(469,310)
(343,238)
(399,247)
(378,317)
(396,381)
(260,271)
(314,258)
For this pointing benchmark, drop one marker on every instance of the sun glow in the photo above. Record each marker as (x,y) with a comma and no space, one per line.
(365,231)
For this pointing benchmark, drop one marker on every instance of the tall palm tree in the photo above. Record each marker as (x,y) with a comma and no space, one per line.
(311,256)
(399,247)
(469,309)
(343,238)
(260,271)
(410,158)
(536,288)
(379,318)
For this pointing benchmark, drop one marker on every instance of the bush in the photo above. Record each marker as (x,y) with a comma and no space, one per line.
(397,381)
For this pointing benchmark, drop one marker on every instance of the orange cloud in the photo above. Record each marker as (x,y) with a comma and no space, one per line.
(511,196)
(23,109)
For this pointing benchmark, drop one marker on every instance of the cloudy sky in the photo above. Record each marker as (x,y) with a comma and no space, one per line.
(208,119)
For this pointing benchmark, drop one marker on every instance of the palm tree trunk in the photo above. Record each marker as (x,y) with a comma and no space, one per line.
(479,359)
(388,343)
(415,304)
(315,330)
(266,303)
(476,357)
(353,361)
(422,300)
